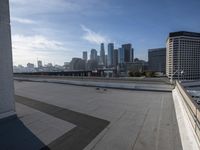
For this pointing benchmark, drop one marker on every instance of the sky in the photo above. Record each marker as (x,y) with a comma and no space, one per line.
(54,31)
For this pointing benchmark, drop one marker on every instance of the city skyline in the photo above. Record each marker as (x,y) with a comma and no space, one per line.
(63,29)
(86,55)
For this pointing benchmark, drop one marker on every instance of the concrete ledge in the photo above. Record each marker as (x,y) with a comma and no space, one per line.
(121,86)
(188,135)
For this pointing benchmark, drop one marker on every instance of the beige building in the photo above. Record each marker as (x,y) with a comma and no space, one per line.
(183,55)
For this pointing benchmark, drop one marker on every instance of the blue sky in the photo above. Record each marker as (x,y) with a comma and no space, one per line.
(57,30)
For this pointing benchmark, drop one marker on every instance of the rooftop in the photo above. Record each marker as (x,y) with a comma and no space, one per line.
(184,33)
(60,116)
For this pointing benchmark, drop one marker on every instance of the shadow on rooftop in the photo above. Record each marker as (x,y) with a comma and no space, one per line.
(14,135)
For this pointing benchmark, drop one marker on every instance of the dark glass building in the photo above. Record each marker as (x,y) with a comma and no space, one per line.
(93,54)
(128,53)
(115,58)
(102,55)
(110,54)
(157,59)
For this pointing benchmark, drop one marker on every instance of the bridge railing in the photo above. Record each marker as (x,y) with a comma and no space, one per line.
(192,108)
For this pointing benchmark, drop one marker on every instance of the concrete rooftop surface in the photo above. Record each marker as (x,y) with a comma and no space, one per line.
(66,117)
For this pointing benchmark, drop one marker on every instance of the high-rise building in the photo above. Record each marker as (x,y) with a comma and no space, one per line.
(183,55)
(7,104)
(115,58)
(102,55)
(77,64)
(39,62)
(128,53)
(99,60)
(30,65)
(92,65)
(106,60)
(120,56)
(93,54)
(85,55)
(157,59)
(110,54)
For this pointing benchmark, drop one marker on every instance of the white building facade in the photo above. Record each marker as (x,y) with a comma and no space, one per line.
(183,55)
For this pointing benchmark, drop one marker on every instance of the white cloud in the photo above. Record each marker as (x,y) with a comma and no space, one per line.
(36,42)
(22,20)
(29,48)
(93,37)
(26,7)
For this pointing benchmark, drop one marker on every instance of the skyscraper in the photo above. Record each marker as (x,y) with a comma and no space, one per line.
(102,55)
(7,107)
(128,52)
(39,62)
(30,65)
(106,60)
(183,55)
(120,56)
(115,58)
(77,64)
(157,59)
(110,54)
(93,54)
(85,55)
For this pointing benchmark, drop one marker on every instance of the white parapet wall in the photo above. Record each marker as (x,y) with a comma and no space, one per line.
(186,112)
(7,105)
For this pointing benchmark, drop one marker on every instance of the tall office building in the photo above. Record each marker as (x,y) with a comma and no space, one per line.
(77,64)
(157,59)
(93,54)
(30,65)
(115,58)
(85,55)
(102,55)
(39,62)
(7,106)
(128,53)
(106,60)
(110,54)
(183,55)
(120,56)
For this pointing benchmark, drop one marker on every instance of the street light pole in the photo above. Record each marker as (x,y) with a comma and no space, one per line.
(171,79)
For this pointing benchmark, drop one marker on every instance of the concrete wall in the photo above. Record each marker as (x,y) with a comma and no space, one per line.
(7,107)
(192,108)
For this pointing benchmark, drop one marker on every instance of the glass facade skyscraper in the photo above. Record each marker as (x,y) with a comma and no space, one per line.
(102,55)
(157,59)
(85,55)
(120,56)
(115,58)
(128,53)
(93,54)
(110,54)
